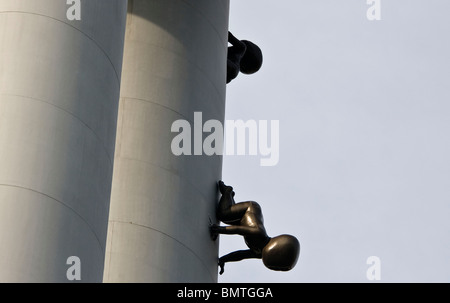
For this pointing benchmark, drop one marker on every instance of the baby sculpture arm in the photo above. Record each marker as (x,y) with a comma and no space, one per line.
(233,230)
(235,256)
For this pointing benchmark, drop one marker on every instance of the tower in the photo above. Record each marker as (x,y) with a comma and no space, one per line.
(161,204)
(59,92)
(63,170)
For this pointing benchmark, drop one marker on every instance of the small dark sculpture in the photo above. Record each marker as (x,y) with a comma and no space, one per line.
(243,56)
(246,219)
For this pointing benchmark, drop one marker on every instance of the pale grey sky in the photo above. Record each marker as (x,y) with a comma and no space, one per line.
(364,112)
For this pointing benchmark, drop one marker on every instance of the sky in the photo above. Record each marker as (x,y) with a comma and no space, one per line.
(363,109)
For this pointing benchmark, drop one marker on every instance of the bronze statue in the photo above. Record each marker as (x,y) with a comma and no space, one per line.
(246,219)
(243,56)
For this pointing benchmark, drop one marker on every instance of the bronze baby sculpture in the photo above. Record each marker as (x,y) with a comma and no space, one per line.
(246,219)
(243,56)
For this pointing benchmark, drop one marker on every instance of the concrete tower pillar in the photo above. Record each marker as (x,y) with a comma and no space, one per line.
(174,66)
(59,92)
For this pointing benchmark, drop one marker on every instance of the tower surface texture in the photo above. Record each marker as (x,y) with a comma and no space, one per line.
(174,66)
(59,93)
(87,170)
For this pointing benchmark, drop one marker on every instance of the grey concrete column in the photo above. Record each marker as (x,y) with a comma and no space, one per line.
(59,92)
(174,65)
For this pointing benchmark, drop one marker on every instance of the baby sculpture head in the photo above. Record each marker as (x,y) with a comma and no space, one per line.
(281,253)
(252,60)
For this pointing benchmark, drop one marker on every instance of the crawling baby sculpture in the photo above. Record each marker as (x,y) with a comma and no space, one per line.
(243,56)
(246,219)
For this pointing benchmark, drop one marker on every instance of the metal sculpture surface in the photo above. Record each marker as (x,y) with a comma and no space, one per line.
(246,219)
(243,56)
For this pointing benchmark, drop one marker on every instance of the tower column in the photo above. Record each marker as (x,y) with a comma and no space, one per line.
(59,92)
(174,65)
